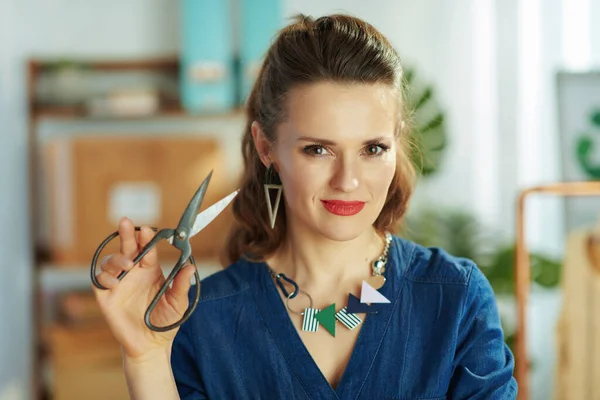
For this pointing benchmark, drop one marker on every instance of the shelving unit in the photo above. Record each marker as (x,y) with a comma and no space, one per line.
(46,275)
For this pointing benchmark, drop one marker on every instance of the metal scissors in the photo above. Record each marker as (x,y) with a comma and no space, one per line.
(189,225)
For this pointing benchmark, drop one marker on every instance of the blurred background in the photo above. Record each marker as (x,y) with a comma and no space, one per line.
(111,108)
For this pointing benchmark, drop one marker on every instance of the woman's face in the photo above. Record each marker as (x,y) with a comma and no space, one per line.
(336,156)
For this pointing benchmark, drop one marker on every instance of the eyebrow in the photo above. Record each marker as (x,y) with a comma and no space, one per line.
(332,143)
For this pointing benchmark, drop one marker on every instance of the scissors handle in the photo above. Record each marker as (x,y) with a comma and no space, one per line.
(185,255)
(165,287)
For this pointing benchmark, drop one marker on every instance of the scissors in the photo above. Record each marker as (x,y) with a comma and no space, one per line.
(189,225)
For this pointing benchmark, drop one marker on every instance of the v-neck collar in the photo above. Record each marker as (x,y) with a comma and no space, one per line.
(366,348)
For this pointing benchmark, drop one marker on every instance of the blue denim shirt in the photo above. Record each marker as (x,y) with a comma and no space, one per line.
(440,338)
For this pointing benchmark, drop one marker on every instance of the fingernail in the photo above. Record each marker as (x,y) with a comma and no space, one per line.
(112,280)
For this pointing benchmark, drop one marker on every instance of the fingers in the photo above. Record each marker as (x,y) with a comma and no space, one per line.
(128,242)
(130,246)
(181,287)
(150,260)
(107,280)
(114,264)
(111,267)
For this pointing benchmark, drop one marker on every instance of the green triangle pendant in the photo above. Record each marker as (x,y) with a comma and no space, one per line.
(327,318)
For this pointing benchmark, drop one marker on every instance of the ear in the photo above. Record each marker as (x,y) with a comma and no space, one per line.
(262,143)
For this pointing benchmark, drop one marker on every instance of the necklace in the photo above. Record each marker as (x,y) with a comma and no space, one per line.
(327,317)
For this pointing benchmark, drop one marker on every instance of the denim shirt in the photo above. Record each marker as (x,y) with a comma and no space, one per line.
(439,338)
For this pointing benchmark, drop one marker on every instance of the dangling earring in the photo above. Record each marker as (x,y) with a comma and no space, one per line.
(272,182)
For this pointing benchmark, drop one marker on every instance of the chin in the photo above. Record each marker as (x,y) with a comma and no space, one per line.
(343,231)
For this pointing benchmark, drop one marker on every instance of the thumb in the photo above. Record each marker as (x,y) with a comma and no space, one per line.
(181,286)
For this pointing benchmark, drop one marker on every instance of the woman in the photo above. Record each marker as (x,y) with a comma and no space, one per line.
(372,315)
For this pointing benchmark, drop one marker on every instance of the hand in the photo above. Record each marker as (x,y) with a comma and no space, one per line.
(125,302)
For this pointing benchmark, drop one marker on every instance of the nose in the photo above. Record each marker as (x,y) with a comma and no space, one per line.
(345,174)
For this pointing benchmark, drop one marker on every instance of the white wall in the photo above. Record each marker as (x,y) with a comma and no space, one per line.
(14,262)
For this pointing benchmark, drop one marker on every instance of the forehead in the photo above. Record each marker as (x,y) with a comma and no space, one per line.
(341,111)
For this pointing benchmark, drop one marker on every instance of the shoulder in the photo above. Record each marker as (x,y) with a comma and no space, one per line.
(420,264)
(440,289)
(464,287)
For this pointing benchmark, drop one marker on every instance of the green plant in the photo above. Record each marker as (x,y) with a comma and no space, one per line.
(457,232)
(500,272)
(428,124)
(585,147)
(460,234)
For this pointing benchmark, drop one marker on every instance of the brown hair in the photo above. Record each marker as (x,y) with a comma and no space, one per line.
(336,48)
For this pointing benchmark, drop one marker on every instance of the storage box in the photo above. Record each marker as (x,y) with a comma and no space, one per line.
(259,21)
(95,180)
(207,78)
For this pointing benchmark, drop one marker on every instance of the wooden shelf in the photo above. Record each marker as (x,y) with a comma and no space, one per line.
(169,63)
(79,112)
(49,279)
(170,106)
(65,113)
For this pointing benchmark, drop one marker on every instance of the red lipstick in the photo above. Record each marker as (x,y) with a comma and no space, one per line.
(343,208)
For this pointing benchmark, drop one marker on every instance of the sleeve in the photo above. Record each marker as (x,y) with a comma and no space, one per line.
(185,370)
(483,363)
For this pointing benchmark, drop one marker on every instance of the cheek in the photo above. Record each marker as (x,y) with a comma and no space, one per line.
(380,175)
(302,179)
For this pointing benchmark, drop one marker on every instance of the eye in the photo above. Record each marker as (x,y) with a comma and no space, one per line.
(315,150)
(376,149)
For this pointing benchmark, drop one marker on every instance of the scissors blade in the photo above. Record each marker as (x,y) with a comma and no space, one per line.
(212,212)
(194,205)
(207,216)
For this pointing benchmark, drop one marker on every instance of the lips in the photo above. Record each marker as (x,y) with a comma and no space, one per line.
(343,208)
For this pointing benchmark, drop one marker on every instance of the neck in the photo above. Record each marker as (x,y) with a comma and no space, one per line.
(316,261)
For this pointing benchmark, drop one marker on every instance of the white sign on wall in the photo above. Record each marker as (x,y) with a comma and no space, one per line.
(139,201)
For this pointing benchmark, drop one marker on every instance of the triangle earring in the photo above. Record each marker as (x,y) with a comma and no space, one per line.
(273,208)
(272,182)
